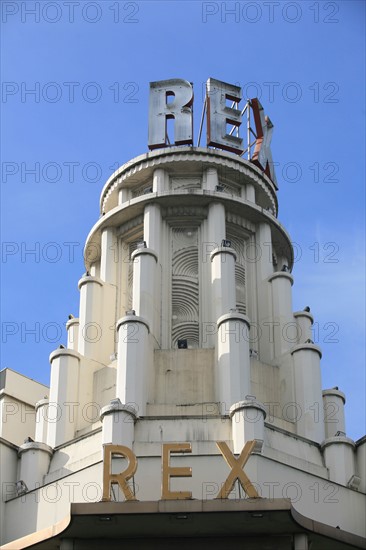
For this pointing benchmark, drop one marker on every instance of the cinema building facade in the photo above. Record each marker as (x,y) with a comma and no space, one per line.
(187,407)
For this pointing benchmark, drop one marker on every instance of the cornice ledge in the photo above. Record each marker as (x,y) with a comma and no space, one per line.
(246,169)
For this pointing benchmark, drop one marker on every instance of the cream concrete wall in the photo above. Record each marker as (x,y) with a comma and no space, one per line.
(18,396)
(8,469)
(315,497)
(361,463)
(8,477)
(183,376)
(79,454)
(312,496)
(104,384)
(23,388)
(49,504)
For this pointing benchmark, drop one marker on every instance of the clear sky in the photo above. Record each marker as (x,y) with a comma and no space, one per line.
(89,65)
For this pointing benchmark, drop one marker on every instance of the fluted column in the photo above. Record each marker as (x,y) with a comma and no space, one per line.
(134,364)
(247,423)
(232,380)
(109,256)
(213,232)
(261,255)
(339,457)
(304,321)
(64,396)
(72,328)
(282,331)
(34,463)
(223,292)
(334,420)
(152,227)
(216,225)
(147,267)
(118,422)
(284,326)
(308,404)
(91,317)
(145,298)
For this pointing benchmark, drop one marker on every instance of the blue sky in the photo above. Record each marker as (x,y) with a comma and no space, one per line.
(90,64)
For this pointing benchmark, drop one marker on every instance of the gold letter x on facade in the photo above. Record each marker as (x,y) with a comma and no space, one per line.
(237,472)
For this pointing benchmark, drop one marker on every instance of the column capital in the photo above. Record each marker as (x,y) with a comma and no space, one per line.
(64,352)
(35,446)
(222,250)
(89,279)
(335,393)
(305,314)
(132,319)
(41,403)
(117,406)
(233,316)
(336,441)
(311,347)
(71,322)
(247,404)
(281,274)
(142,251)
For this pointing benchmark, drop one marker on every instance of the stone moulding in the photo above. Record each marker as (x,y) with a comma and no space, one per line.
(162,157)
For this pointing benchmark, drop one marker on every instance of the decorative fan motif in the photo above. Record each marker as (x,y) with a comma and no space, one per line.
(185,291)
(186,331)
(184,299)
(183,237)
(185,262)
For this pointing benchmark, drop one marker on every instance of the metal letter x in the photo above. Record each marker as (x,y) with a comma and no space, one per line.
(237,473)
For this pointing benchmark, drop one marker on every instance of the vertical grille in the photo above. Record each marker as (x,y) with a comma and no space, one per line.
(131,248)
(240,279)
(185,291)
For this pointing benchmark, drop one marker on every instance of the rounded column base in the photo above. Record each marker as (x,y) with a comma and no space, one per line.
(247,423)
(64,389)
(308,391)
(233,360)
(134,362)
(333,404)
(339,456)
(34,463)
(118,422)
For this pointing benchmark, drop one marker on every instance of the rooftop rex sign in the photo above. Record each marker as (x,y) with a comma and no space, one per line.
(173,99)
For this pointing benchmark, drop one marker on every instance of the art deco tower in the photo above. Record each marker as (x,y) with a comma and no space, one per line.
(186,333)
